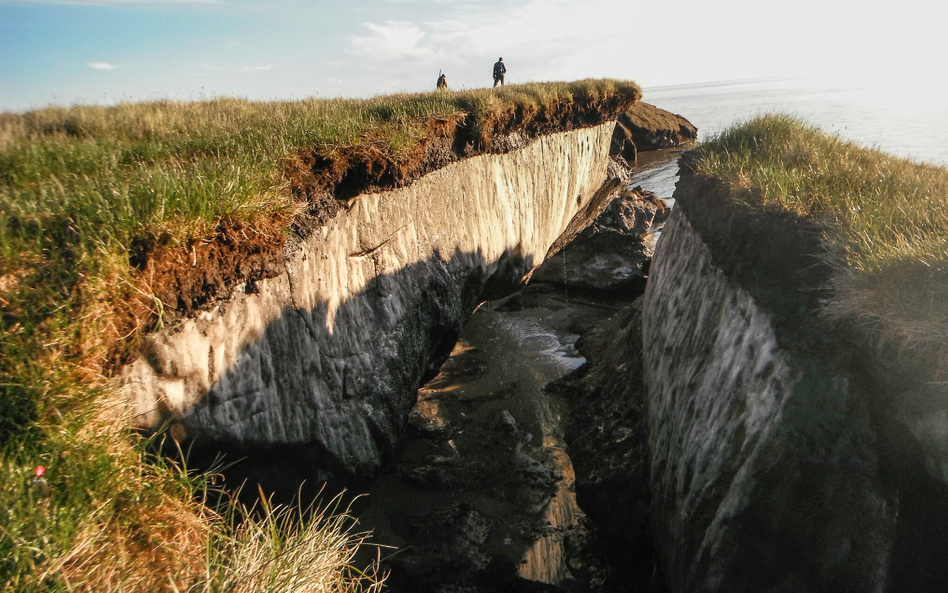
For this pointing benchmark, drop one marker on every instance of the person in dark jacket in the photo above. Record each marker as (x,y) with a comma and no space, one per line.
(442,82)
(499,71)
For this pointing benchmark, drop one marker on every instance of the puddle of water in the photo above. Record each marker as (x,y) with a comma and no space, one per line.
(657,172)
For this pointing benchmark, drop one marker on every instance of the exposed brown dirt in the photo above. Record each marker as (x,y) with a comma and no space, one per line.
(173,280)
(652,128)
(187,277)
(160,551)
(607,440)
(238,253)
(368,166)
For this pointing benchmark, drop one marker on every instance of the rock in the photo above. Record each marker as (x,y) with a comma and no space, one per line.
(651,128)
(623,144)
(620,169)
(607,440)
(662,210)
(479,503)
(632,213)
(505,426)
(610,254)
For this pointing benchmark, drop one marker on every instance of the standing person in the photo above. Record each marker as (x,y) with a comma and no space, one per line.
(499,71)
(442,82)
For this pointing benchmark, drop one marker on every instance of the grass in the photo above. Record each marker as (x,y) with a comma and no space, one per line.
(292,550)
(119,518)
(179,167)
(887,216)
(78,187)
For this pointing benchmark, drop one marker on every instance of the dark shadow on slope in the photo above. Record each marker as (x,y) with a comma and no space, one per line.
(781,259)
(607,439)
(456,539)
(309,400)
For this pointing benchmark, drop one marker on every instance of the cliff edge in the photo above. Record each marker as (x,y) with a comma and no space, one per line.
(330,352)
(320,344)
(790,447)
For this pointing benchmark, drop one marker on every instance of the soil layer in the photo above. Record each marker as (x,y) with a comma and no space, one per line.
(193,276)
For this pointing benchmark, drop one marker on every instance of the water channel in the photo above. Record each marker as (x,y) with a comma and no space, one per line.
(480,494)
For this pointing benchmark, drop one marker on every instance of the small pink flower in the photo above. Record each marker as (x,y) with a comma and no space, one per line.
(40,486)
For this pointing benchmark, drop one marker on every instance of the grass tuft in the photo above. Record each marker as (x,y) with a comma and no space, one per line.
(117,518)
(296,550)
(886,208)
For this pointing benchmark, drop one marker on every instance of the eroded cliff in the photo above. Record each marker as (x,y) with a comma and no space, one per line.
(330,352)
(782,455)
(760,447)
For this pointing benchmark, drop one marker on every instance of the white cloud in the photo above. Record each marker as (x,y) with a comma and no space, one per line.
(390,41)
(238,69)
(560,26)
(100,65)
(256,68)
(543,39)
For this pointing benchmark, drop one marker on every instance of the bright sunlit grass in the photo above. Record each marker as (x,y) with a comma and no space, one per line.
(886,208)
(888,216)
(113,171)
(77,187)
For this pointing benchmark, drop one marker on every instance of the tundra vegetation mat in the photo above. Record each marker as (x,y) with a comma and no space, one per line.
(884,220)
(117,220)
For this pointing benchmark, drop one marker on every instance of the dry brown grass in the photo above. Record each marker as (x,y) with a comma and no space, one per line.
(312,551)
(120,520)
(161,550)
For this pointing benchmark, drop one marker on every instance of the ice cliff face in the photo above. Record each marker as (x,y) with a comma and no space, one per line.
(785,449)
(765,475)
(330,353)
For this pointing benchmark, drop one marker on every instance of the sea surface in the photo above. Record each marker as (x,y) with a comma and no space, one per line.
(909,121)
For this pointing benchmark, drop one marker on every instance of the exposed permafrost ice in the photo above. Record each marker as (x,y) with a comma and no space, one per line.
(332,351)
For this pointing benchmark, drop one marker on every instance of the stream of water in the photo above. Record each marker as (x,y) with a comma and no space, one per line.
(483,484)
(481,488)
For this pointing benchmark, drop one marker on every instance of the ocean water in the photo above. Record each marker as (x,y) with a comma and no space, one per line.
(909,121)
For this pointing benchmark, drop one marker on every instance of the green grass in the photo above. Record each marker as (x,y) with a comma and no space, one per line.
(114,171)
(887,216)
(78,187)
(120,519)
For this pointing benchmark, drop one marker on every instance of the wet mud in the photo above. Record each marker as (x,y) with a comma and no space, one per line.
(481,495)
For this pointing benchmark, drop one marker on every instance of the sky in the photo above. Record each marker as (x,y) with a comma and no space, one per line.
(107,51)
